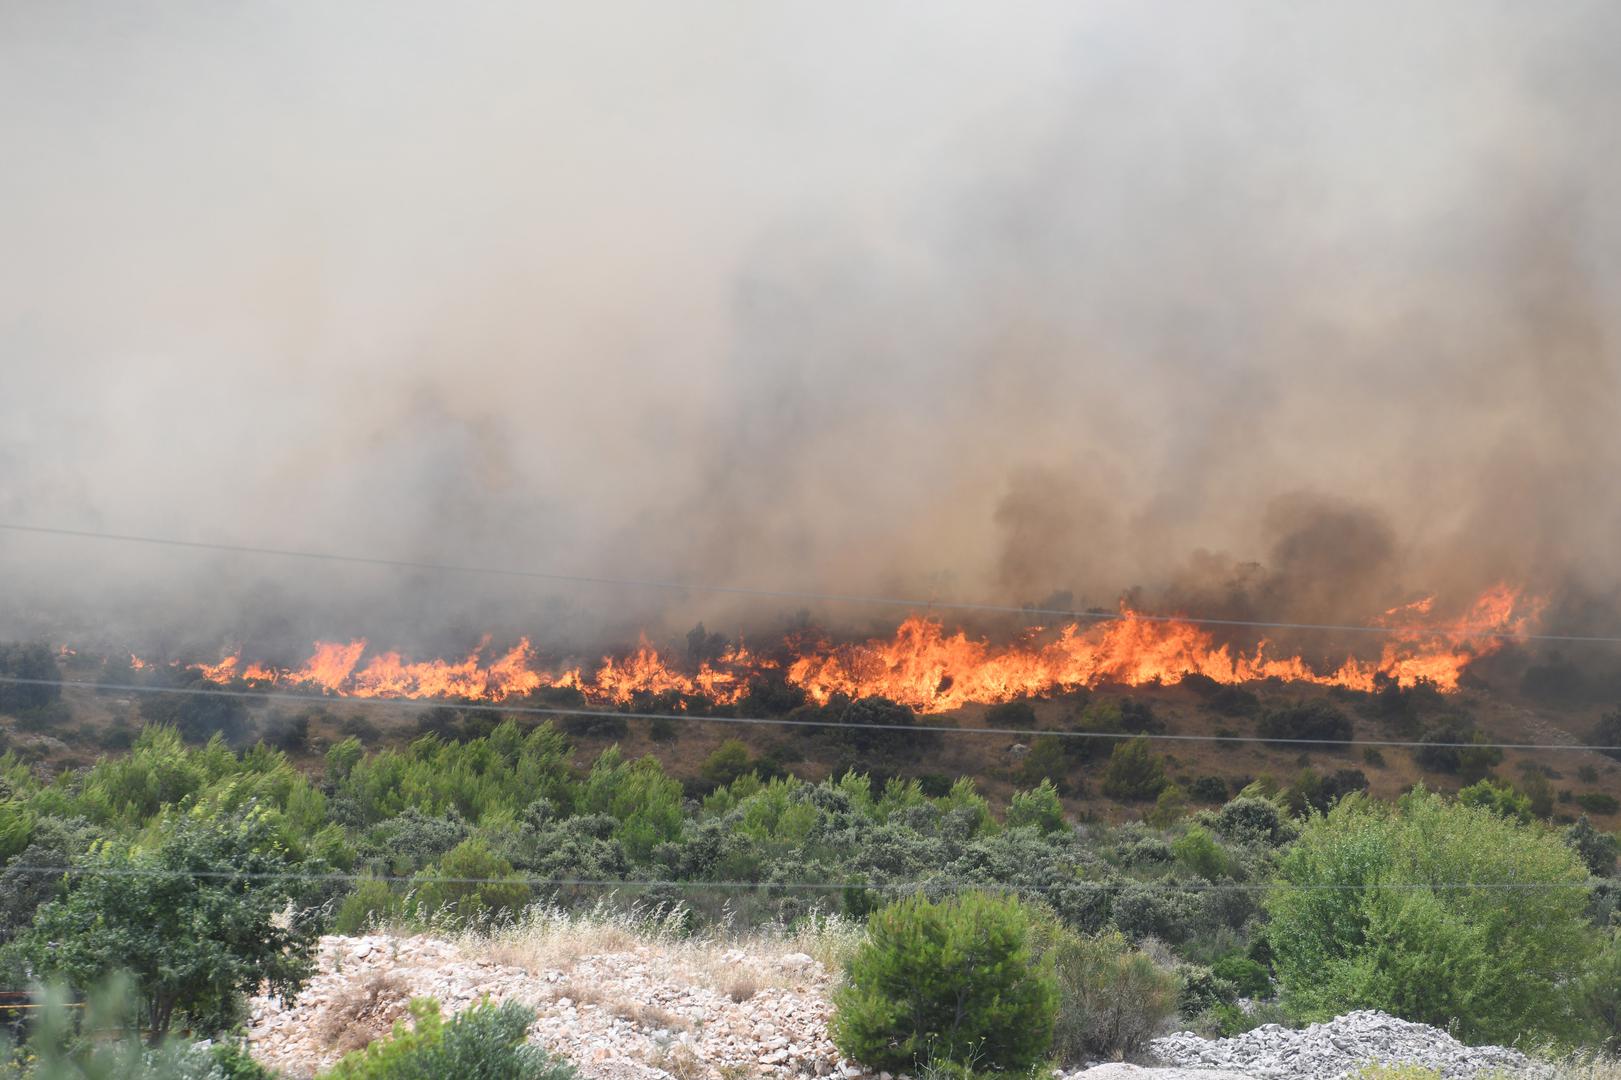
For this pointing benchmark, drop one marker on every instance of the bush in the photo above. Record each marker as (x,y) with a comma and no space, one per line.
(946,982)
(1048,760)
(485,1042)
(1011,714)
(1197,850)
(1468,762)
(471,882)
(1233,701)
(97,1039)
(1208,789)
(1598,802)
(1250,819)
(1316,720)
(1247,977)
(1607,732)
(729,761)
(1112,998)
(877,732)
(1040,808)
(200,716)
(195,920)
(1597,849)
(1496,968)
(371,901)
(1134,772)
(27,661)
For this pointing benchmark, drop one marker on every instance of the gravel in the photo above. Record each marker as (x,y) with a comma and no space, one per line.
(1335,1049)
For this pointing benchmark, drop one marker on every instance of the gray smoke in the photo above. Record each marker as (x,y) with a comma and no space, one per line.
(1295,311)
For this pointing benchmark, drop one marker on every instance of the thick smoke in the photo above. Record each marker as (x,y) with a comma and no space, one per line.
(1289,311)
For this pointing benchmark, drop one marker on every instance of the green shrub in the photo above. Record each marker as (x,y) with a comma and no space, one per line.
(1048,760)
(1250,819)
(1498,798)
(485,1042)
(946,981)
(371,901)
(28,661)
(1209,789)
(1198,850)
(1134,772)
(195,920)
(1040,808)
(1316,720)
(1349,931)
(1607,732)
(1598,802)
(1112,998)
(1248,978)
(729,761)
(97,1038)
(1597,849)
(472,882)
(1469,762)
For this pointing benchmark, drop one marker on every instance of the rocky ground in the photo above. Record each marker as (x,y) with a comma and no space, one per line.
(644,1012)
(634,1010)
(1337,1048)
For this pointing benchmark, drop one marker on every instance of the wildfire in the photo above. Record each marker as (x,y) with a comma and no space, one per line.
(924,665)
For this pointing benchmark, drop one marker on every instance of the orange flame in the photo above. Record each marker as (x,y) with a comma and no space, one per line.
(926,667)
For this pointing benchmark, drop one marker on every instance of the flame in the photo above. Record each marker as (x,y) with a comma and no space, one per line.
(925,666)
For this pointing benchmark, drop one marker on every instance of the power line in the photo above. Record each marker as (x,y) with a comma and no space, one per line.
(779,721)
(892,886)
(781,594)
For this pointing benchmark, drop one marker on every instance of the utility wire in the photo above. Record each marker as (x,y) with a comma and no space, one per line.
(780,721)
(783,594)
(892,886)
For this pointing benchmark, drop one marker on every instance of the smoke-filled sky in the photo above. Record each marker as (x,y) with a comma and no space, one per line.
(972,301)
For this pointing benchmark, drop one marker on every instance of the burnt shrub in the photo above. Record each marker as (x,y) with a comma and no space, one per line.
(1317,720)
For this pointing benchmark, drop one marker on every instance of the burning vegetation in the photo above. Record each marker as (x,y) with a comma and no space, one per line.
(923,665)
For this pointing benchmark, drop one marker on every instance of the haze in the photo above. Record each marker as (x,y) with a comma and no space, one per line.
(961,302)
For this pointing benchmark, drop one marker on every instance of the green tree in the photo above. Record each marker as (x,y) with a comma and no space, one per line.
(1134,772)
(194,920)
(946,982)
(1374,909)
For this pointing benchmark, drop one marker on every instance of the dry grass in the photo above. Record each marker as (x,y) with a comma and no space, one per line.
(742,987)
(648,1017)
(364,1015)
(681,1062)
(581,994)
(549,938)
(1584,1065)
